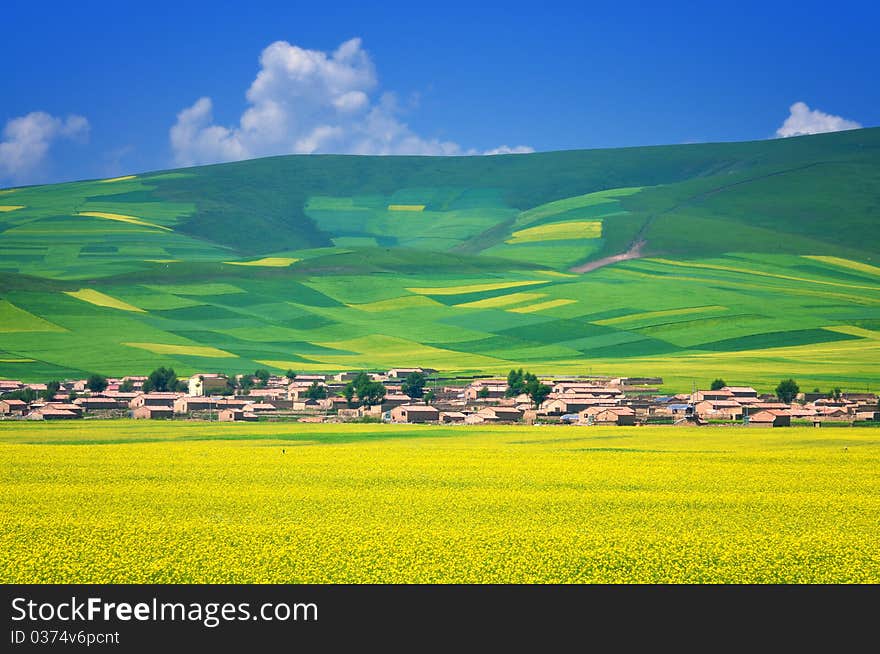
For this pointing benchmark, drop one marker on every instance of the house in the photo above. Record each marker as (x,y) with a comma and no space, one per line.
(719,410)
(413,413)
(97,403)
(451,417)
(400,373)
(188,404)
(152,412)
(207,383)
(574,404)
(616,415)
(497,414)
(740,392)
(259,407)
(48,413)
(719,395)
(306,405)
(153,400)
(770,418)
(66,406)
(13,407)
(7,385)
(395,399)
(491,389)
(236,415)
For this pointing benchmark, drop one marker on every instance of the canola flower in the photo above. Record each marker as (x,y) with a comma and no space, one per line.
(138,502)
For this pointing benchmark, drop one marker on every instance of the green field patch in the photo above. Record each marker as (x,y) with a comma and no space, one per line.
(355,241)
(16,319)
(651,317)
(776,339)
(192,350)
(642,347)
(553,331)
(207,288)
(556,207)
(588,343)
(198,313)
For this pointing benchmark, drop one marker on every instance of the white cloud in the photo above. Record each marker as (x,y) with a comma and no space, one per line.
(802,120)
(506,149)
(27,139)
(308,101)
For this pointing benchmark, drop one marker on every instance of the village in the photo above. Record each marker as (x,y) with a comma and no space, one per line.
(421,395)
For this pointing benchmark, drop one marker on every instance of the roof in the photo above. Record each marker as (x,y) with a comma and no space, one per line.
(419,408)
(14,402)
(55,412)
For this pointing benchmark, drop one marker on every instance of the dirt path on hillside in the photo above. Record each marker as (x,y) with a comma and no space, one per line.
(634,252)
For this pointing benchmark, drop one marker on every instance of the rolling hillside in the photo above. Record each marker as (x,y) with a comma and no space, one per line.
(751,261)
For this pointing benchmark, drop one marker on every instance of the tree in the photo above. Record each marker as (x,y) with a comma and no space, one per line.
(161,380)
(516,383)
(787,390)
(536,390)
(52,389)
(483,393)
(25,394)
(96,383)
(835,394)
(262,376)
(718,384)
(316,391)
(127,386)
(367,391)
(246,383)
(291,375)
(414,384)
(430,396)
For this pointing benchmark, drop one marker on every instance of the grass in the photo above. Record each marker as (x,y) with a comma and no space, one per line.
(194,350)
(138,502)
(739,261)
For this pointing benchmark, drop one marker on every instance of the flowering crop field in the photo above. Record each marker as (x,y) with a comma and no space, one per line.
(184,502)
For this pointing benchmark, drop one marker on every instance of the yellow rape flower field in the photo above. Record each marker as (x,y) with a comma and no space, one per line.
(183,502)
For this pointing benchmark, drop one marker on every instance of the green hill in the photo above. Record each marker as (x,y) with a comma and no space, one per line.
(754,261)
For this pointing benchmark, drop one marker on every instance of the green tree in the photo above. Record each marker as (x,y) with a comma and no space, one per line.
(246,383)
(96,383)
(536,390)
(516,383)
(787,390)
(52,389)
(430,396)
(262,376)
(161,380)
(316,391)
(127,386)
(24,394)
(414,384)
(718,384)
(367,391)
(483,393)
(291,375)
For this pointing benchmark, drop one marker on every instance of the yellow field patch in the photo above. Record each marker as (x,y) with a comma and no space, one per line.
(542,306)
(555,273)
(397,303)
(852,330)
(162,260)
(14,319)
(406,207)
(502,300)
(117,179)
(17,360)
(191,350)
(658,314)
(122,218)
(471,288)
(100,299)
(268,262)
(746,271)
(846,263)
(4,208)
(574,229)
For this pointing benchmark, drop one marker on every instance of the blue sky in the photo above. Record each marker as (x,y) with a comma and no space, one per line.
(93,89)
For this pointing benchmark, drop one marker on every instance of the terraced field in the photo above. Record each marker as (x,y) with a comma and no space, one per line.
(461,264)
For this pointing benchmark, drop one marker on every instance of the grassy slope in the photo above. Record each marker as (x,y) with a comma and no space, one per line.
(726,225)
